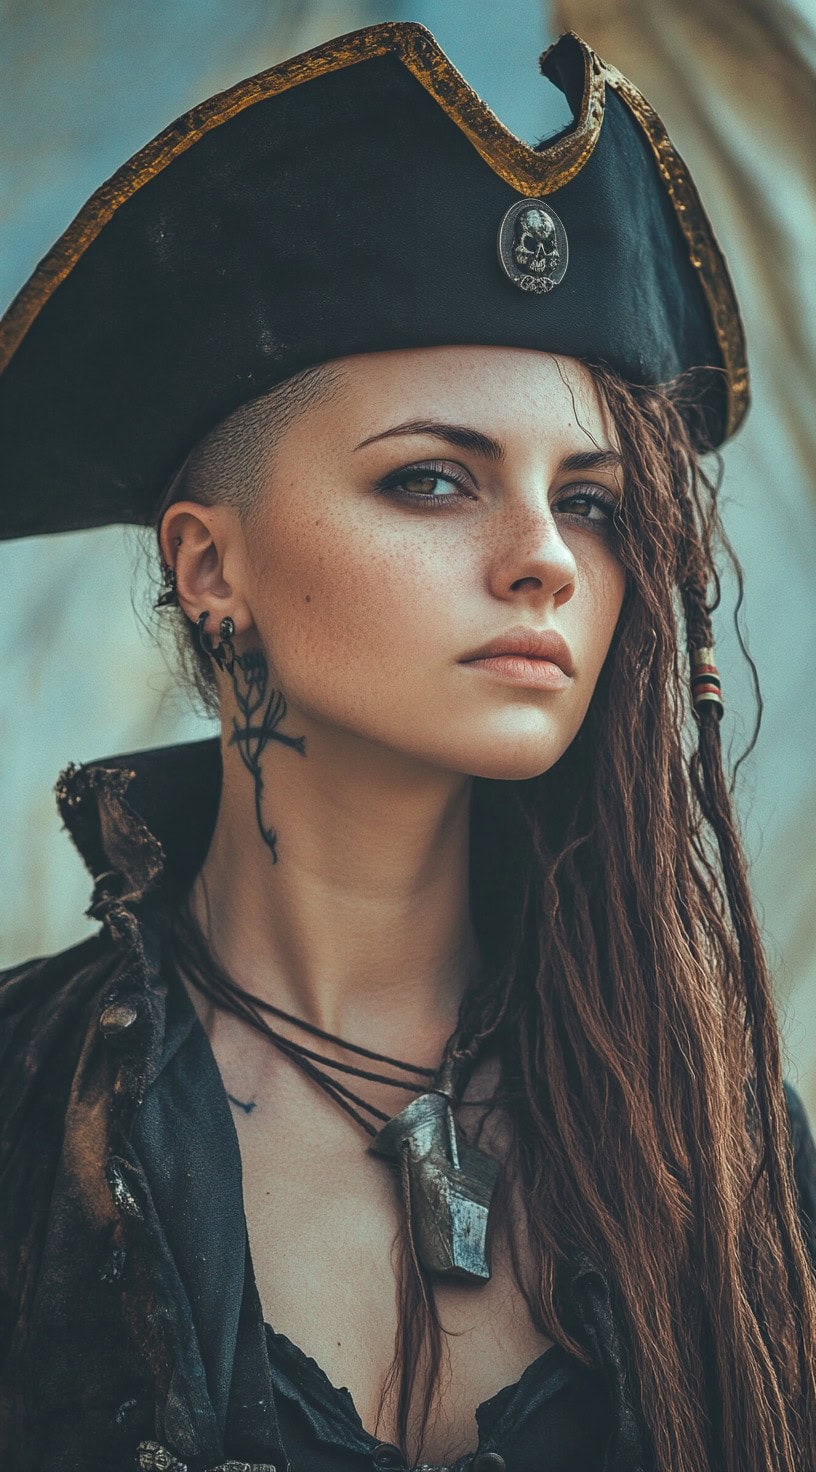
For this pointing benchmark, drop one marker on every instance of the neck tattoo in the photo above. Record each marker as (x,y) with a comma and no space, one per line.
(261,712)
(447,1185)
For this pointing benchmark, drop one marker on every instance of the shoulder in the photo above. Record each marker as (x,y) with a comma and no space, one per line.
(46,1005)
(49,1007)
(34,987)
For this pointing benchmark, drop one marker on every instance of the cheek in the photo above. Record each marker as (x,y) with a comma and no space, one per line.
(364,618)
(345,609)
(596,607)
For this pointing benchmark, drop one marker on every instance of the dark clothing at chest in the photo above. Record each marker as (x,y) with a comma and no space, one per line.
(554,1419)
(175,1275)
(129,1314)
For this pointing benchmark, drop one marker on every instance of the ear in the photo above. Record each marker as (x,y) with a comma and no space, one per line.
(205,546)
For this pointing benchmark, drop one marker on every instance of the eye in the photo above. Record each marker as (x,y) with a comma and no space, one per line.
(436,484)
(591,503)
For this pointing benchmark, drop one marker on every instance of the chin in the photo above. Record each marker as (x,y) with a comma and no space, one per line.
(505,750)
(507,768)
(516,750)
(513,760)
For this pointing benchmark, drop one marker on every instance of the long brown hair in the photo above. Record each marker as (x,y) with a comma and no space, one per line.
(632,1008)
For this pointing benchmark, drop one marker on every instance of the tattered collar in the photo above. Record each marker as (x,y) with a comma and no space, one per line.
(142,822)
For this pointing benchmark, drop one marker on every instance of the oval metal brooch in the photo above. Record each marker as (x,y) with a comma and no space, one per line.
(533,247)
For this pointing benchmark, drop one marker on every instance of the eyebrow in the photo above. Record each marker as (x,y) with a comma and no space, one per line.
(467,438)
(460,435)
(593,460)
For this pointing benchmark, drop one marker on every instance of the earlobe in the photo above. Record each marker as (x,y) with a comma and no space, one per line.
(224,653)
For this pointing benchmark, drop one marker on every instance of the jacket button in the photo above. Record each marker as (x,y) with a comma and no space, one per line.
(388,1458)
(117,1017)
(489,1462)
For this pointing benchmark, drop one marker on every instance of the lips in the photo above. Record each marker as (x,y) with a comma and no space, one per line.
(544,644)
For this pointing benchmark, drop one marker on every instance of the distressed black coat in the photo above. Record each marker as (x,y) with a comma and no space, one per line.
(103,1333)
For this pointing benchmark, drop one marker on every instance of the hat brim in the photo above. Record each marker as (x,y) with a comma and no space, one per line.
(344,201)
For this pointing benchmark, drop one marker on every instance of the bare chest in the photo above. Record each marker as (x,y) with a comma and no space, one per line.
(323,1220)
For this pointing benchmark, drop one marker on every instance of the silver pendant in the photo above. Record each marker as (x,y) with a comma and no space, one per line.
(450,1187)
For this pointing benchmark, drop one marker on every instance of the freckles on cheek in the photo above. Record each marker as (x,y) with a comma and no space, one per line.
(605,587)
(591,618)
(370,602)
(354,600)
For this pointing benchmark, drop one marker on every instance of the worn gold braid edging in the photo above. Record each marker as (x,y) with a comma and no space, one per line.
(704,252)
(529,170)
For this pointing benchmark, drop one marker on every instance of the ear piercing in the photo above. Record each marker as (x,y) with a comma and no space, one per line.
(168,598)
(223,653)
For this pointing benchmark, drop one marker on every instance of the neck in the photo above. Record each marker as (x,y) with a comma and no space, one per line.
(362,926)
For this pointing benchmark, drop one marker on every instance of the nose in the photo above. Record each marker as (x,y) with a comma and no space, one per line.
(533,564)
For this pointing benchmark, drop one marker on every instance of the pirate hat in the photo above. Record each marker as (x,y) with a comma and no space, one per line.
(357,198)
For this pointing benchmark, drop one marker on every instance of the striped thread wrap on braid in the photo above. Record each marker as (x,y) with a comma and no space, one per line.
(706,687)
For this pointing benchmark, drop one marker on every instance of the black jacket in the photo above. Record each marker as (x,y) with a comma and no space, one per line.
(116,1329)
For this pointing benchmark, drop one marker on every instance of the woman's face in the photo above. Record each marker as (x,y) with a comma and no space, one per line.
(436,501)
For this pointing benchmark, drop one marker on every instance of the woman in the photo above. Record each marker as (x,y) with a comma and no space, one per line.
(426,1048)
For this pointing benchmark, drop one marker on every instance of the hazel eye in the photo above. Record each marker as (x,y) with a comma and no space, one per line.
(422,485)
(590,503)
(433,485)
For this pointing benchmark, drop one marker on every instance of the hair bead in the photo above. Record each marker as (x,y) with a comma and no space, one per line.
(706,688)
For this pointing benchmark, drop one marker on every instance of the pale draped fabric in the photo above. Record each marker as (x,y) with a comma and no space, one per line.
(735,84)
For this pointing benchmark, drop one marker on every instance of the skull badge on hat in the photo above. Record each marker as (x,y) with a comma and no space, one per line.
(533,247)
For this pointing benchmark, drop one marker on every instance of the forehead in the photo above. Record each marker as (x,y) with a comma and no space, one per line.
(518,395)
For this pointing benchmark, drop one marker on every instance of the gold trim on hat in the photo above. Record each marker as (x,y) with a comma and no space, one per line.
(531,171)
(704,252)
(527,169)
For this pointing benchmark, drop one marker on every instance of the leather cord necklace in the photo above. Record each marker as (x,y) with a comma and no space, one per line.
(447,1184)
(232,998)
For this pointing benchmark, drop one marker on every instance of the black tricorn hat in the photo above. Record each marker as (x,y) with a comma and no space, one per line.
(358,198)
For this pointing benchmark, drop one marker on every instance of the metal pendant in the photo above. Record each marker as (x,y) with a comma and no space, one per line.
(450,1187)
